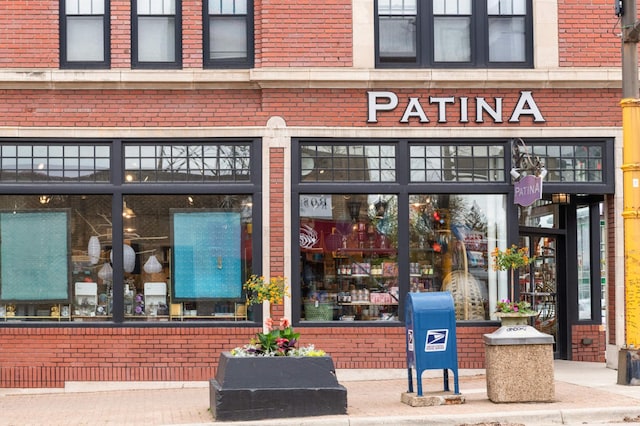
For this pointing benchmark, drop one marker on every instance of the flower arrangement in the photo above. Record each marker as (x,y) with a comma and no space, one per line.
(511,259)
(277,341)
(505,306)
(139,304)
(259,289)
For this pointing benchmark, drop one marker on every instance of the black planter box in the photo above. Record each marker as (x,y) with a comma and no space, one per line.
(254,388)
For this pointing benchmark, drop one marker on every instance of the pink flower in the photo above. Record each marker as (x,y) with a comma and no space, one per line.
(269,323)
(284,323)
(281,341)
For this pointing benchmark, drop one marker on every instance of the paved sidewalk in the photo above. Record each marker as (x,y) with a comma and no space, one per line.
(586,393)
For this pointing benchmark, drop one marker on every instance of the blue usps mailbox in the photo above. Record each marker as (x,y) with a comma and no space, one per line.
(431,336)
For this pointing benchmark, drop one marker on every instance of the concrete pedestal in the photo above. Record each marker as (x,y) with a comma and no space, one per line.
(519,365)
(629,367)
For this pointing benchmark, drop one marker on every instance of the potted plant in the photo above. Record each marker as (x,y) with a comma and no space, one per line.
(271,377)
(511,259)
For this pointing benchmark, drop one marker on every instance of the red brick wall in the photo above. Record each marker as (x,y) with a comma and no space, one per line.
(121,34)
(29,34)
(588,34)
(276,220)
(299,107)
(303,33)
(192,33)
(588,343)
(48,357)
(288,33)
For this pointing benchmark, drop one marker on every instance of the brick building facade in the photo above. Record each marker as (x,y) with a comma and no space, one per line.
(308,86)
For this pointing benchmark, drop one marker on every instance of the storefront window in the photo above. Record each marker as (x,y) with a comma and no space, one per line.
(185,250)
(62,163)
(451,238)
(348,163)
(191,163)
(540,214)
(50,269)
(572,163)
(584,263)
(190,256)
(349,257)
(456,163)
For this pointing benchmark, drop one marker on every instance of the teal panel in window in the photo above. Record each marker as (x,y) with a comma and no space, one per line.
(34,256)
(206,255)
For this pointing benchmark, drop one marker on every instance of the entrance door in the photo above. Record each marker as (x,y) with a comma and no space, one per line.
(540,286)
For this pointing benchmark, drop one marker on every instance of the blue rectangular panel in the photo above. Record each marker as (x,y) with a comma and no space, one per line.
(206,257)
(34,256)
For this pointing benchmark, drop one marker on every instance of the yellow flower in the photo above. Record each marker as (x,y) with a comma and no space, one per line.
(511,258)
(258,289)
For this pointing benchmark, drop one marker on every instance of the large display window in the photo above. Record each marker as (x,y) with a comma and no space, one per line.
(349,257)
(361,252)
(451,237)
(165,235)
(349,253)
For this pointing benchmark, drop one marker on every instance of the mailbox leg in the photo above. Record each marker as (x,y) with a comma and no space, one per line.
(445,373)
(419,380)
(410,380)
(455,383)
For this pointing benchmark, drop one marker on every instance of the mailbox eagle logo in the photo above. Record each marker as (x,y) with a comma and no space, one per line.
(436,340)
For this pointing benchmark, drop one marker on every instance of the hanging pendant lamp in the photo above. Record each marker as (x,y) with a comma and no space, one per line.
(93,250)
(128,258)
(152,265)
(106,272)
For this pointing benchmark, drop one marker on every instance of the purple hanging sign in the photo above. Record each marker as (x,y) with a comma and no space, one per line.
(527,190)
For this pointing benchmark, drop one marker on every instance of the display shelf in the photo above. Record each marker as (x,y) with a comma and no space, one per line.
(53,312)
(178,313)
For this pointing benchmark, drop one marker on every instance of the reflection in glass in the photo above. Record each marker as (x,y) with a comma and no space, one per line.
(348,163)
(451,238)
(87,296)
(348,257)
(92,283)
(206,246)
(584,263)
(540,214)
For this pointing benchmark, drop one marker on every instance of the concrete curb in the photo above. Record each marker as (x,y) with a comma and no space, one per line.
(536,417)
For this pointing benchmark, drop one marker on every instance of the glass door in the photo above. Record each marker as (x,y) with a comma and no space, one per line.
(539,283)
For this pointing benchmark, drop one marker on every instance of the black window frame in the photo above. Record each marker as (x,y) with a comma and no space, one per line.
(177,62)
(403,187)
(479,46)
(239,63)
(117,188)
(65,63)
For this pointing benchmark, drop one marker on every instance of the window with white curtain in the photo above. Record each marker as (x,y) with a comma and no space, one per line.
(228,33)
(507,33)
(454,33)
(156,34)
(84,34)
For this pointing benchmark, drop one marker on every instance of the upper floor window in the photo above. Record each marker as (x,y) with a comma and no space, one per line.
(228,33)
(84,34)
(454,33)
(156,34)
